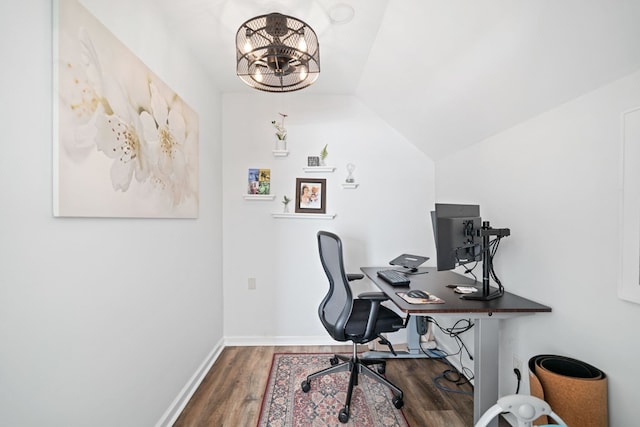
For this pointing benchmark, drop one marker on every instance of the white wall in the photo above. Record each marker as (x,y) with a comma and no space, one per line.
(555,182)
(87,343)
(102,321)
(282,254)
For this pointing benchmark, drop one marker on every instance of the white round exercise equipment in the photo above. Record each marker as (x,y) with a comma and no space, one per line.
(524,407)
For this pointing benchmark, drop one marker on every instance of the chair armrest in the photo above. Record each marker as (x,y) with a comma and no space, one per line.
(354,276)
(374,296)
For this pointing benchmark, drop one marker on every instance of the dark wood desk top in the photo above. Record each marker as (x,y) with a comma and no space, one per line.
(435,282)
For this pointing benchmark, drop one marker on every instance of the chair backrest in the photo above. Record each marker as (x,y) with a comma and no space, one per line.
(526,409)
(335,308)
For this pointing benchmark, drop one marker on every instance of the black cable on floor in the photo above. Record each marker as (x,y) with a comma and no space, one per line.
(451,374)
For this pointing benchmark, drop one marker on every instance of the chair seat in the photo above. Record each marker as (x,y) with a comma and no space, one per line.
(387,321)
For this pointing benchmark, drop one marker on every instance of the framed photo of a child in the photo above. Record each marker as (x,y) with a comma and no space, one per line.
(311,195)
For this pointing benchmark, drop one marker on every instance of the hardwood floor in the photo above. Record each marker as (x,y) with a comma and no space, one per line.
(231,393)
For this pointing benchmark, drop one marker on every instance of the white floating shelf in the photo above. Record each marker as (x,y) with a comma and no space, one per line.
(311,169)
(302,215)
(349,185)
(259,196)
(280,153)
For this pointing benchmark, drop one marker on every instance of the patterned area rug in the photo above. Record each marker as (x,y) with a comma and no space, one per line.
(285,404)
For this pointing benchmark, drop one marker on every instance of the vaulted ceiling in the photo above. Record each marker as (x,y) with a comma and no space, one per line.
(444,73)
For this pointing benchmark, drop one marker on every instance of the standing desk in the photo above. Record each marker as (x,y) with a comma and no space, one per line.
(486,316)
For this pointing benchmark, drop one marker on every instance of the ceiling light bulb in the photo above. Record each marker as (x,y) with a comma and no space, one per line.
(248,47)
(302,43)
(303,72)
(258,75)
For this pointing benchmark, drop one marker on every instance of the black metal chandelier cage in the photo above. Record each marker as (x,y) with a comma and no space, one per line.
(277,53)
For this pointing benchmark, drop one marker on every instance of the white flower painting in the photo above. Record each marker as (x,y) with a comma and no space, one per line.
(125,144)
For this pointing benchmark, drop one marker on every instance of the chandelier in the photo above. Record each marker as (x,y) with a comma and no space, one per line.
(277,53)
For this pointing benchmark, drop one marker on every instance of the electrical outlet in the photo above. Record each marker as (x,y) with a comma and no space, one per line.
(517,362)
(252,283)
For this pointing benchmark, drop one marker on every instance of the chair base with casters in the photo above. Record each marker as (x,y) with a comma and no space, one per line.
(356,366)
(524,408)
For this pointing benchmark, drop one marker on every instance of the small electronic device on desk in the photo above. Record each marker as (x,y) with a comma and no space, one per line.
(417,293)
(460,289)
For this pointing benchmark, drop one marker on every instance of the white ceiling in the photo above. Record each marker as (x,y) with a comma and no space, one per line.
(444,73)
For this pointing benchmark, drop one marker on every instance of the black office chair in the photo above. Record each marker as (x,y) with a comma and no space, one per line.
(347,319)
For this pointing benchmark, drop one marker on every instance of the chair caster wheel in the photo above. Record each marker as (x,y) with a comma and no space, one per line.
(382,368)
(306,386)
(398,402)
(343,416)
(334,360)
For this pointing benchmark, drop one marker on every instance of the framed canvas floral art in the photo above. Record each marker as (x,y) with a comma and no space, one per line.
(125,144)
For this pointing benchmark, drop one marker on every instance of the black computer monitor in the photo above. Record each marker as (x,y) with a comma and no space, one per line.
(455,228)
(462,237)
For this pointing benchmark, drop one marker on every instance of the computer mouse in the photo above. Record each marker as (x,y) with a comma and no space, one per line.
(417,293)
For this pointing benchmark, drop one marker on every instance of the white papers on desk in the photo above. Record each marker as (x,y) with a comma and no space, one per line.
(465,289)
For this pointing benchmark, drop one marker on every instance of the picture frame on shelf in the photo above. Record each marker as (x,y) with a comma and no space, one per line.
(259,181)
(313,161)
(311,195)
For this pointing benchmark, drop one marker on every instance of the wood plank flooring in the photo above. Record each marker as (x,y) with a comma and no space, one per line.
(231,393)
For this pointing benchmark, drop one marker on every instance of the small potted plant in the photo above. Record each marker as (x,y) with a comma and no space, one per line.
(281,133)
(285,202)
(323,155)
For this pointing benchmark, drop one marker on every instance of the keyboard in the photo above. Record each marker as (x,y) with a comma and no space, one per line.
(393,277)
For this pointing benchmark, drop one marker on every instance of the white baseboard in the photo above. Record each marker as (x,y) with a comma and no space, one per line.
(294,340)
(173,412)
(277,341)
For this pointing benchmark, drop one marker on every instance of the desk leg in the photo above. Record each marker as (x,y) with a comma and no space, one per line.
(485,363)
(413,339)
(413,346)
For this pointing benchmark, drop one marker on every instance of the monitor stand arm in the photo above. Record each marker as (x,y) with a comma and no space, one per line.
(486,232)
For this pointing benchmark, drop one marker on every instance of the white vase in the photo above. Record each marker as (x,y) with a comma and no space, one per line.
(281,145)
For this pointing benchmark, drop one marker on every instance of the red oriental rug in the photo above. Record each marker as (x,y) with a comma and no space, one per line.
(285,404)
